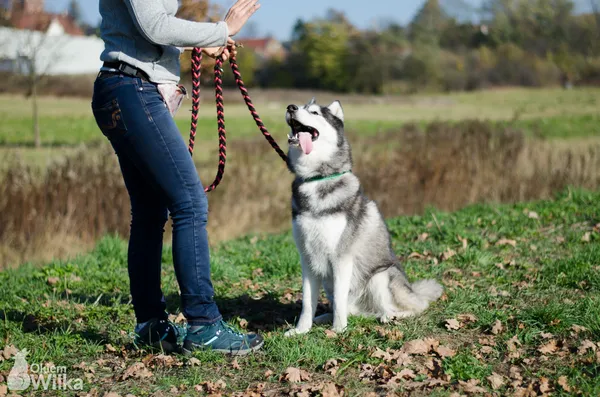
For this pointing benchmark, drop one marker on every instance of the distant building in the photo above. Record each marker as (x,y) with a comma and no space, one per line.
(266,48)
(54,51)
(30,15)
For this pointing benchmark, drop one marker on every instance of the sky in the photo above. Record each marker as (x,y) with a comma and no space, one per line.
(277,17)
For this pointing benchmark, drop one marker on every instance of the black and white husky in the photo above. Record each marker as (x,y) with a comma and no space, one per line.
(342,238)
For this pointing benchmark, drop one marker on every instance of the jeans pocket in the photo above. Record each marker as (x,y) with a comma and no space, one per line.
(110,120)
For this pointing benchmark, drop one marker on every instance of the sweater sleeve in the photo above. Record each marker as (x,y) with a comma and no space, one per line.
(153,22)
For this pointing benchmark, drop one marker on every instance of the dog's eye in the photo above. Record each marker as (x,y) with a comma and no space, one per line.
(314,112)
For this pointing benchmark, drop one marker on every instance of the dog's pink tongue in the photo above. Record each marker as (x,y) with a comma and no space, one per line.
(306,142)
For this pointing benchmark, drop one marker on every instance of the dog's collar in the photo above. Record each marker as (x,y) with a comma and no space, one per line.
(325,178)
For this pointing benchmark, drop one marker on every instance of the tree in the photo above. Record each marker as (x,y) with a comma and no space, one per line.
(428,23)
(74,12)
(196,10)
(34,51)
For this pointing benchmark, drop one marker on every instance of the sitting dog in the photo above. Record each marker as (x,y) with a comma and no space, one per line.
(342,238)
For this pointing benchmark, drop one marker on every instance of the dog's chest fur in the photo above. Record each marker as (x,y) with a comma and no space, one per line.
(320,219)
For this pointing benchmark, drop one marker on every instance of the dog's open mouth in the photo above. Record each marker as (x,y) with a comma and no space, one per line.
(302,135)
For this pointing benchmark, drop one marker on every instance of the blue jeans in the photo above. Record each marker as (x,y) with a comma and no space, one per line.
(161,178)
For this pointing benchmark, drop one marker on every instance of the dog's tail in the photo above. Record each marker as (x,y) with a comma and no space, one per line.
(414,297)
(428,290)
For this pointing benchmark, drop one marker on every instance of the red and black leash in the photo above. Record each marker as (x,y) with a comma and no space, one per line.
(196,72)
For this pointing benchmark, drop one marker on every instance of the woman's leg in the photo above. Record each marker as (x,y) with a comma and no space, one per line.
(153,144)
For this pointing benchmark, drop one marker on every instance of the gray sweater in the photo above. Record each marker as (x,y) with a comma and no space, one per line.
(146,34)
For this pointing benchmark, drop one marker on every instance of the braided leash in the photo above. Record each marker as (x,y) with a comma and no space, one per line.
(218,70)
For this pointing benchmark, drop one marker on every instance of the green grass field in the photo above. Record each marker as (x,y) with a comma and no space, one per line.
(550,112)
(520,314)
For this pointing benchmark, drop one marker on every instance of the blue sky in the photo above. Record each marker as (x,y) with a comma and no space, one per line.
(277,17)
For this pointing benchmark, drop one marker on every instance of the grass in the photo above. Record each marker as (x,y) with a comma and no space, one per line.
(566,113)
(532,268)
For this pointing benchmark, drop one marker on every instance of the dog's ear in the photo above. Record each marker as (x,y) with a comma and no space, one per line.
(312,101)
(336,109)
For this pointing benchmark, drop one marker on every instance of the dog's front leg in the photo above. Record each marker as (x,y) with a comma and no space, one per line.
(342,278)
(310,296)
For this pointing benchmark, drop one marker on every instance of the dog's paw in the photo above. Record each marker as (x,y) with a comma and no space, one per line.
(339,329)
(295,331)
(386,318)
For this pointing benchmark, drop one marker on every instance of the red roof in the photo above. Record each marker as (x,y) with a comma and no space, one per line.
(255,44)
(41,21)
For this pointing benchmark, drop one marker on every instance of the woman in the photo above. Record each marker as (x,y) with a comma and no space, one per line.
(143,41)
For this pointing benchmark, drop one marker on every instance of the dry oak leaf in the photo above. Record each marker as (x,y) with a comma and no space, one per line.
(533,215)
(578,328)
(585,346)
(467,318)
(449,253)
(331,367)
(9,351)
(416,346)
(112,394)
(452,324)
(192,362)
(235,364)
(564,383)
(53,280)
(586,237)
(423,237)
(496,380)
(384,355)
(294,375)
(406,373)
(497,327)
(137,370)
(330,334)
(444,351)
(544,385)
(110,348)
(471,386)
(3,390)
(332,390)
(504,241)
(268,373)
(549,348)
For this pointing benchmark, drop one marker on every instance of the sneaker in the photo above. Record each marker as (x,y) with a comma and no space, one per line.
(161,334)
(221,337)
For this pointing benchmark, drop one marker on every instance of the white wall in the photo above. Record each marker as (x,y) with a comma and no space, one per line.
(55,52)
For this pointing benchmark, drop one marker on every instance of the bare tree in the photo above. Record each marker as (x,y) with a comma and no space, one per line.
(33,52)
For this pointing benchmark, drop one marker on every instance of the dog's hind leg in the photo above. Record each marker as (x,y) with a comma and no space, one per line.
(382,298)
(311,284)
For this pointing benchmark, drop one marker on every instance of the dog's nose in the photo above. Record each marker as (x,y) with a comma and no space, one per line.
(292,108)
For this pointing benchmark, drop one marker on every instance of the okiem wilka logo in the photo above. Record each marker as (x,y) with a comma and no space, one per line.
(39,377)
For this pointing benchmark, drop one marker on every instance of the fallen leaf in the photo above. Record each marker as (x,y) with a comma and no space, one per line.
(471,386)
(512,345)
(549,348)
(192,362)
(112,394)
(392,334)
(578,328)
(110,348)
(294,375)
(3,390)
(407,373)
(268,373)
(586,237)
(464,242)
(53,280)
(449,253)
(9,351)
(384,355)
(504,241)
(452,324)
(496,381)
(497,327)
(564,383)
(211,387)
(423,237)
(444,351)
(533,215)
(330,334)
(332,390)
(416,346)
(416,255)
(585,346)
(235,365)
(331,367)
(546,335)
(467,318)
(544,385)
(243,323)
(137,370)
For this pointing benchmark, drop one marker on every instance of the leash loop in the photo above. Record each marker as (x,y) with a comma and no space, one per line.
(218,70)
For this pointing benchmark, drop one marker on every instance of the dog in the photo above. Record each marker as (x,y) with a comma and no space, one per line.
(341,235)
